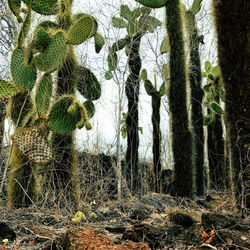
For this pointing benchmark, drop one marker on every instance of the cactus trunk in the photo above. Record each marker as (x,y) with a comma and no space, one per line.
(132,93)
(231,19)
(196,103)
(2,119)
(156,105)
(183,183)
(22,183)
(216,153)
(65,162)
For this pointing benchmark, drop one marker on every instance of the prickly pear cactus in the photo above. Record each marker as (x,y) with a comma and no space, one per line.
(155,117)
(136,22)
(50,49)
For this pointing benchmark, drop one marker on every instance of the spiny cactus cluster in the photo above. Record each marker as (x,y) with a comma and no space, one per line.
(42,55)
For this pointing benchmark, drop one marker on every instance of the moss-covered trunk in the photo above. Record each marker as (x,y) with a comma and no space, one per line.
(196,102)
(132,93)
(183,182)
(156,105)
(232,18)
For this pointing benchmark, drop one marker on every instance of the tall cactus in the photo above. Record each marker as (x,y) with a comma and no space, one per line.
(231,18)
(49,50)
(183,182)
(155,117)
(137,22)
(196,94)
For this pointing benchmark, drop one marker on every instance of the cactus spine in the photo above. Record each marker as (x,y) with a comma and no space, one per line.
(196,97)
(231,18)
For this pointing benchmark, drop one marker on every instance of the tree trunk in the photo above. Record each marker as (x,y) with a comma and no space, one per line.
(132,93)
(232,18)
(196,102)
(156,105)
(183,183)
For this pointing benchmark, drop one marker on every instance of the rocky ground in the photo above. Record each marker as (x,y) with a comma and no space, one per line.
(153,221)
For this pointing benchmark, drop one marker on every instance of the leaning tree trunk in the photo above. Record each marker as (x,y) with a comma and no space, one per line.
(156,105)
(132,93)
(183,183)
(233,50)
(196,102)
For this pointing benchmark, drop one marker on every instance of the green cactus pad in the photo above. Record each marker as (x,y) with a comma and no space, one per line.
(24,75)
(43,36)
(99,42)
(153,3)
(7,89)
(87,84)
(60,120)
(23,33)
(53,57)
(41,40)
(120,44)
(144,75)
(44,7)
(43,94)
(82,28)
(15,7)
(126,13)
(149,87)
(118,22)
(216,108)
(112,59)
(90,108)
(88,125)
(162,90)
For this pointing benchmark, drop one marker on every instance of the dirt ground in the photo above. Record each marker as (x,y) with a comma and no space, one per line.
(153,221)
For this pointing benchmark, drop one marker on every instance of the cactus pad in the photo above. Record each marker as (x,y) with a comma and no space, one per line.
(149,87)
(24,75)
(33,145)
(87,84)
(54,55)
(7,89)
(15,7)
(153,3)
(44,7)
(99,42)
(90,108)
(82,28)
(60,120)
(43,94)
